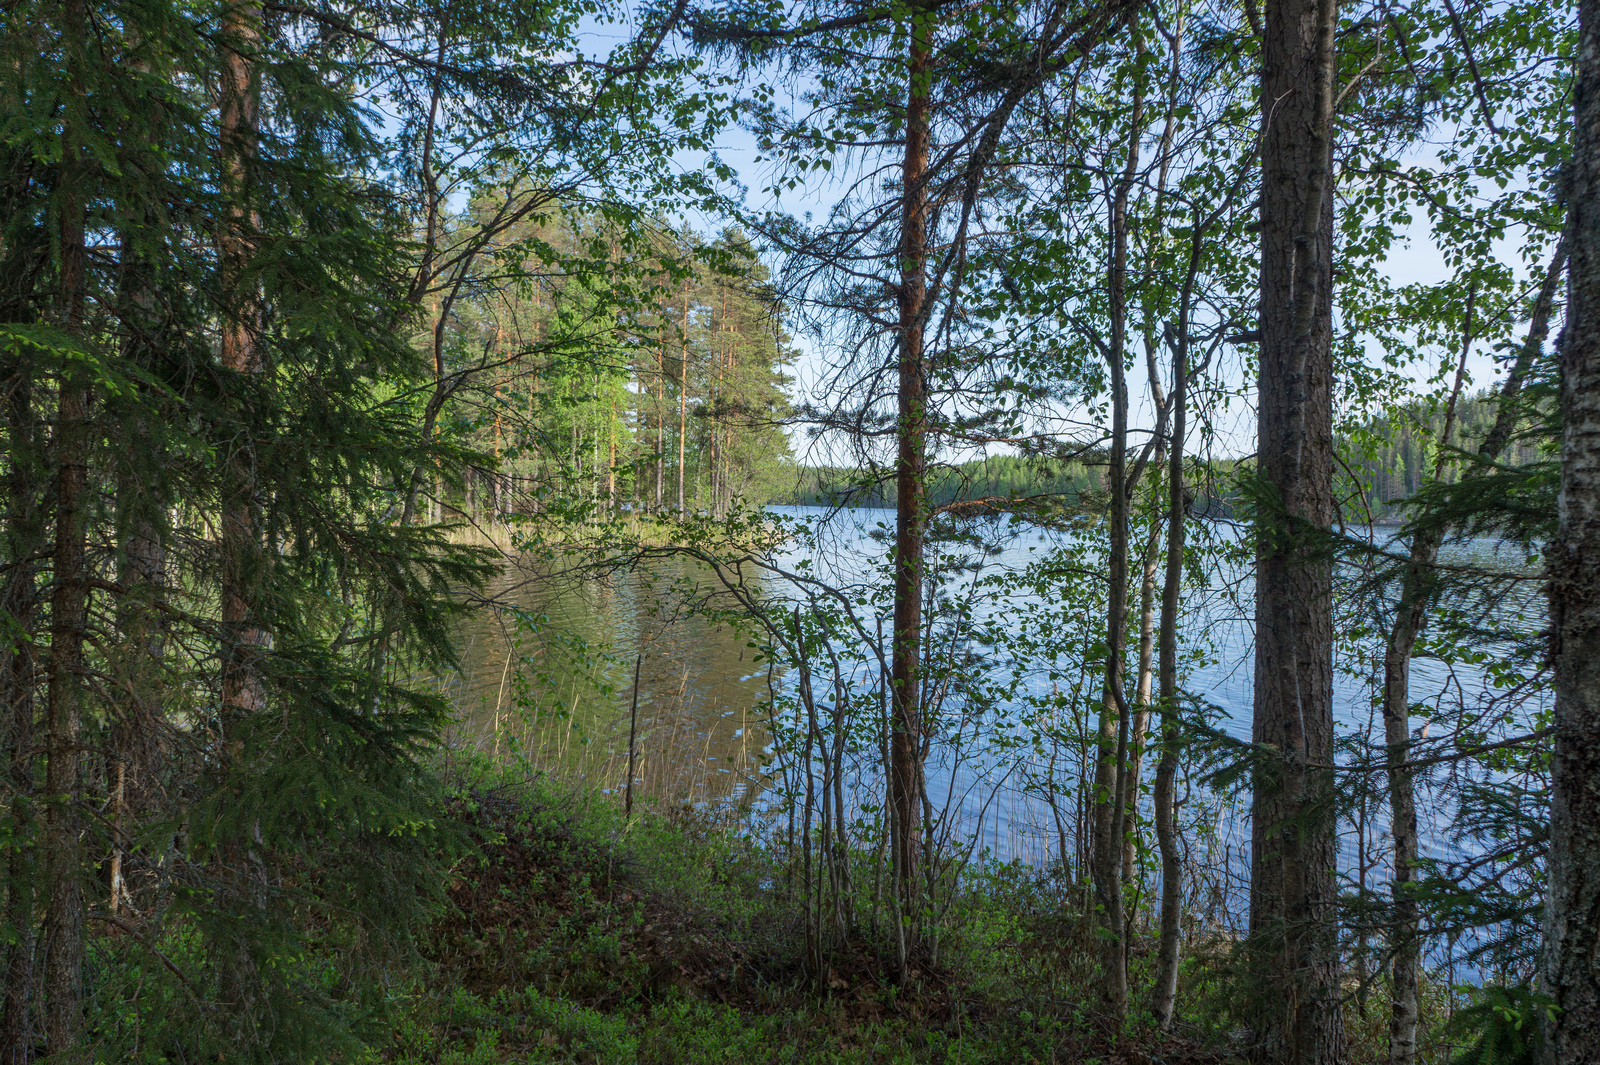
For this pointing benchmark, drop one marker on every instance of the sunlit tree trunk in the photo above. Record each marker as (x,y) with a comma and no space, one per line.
(661,422)
(683,396)
(1112,776)
(905,741)
(1144,689)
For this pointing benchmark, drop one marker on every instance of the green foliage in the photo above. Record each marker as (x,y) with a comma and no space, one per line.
(1394,457)
(991,485)
(455,271)
(1504,1024)
(587,388)
(576,936)
(279,856)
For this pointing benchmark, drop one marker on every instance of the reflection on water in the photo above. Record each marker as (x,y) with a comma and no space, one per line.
(558,693)
(547,675)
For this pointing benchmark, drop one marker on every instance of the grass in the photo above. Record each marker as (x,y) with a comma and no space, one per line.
(570,935)
(574,937)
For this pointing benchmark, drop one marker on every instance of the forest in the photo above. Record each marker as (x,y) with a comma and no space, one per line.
(706,531)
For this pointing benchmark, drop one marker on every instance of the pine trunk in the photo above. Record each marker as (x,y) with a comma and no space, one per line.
(1292,950)
(905,741)
(243,693)
(64,930)
(244,634)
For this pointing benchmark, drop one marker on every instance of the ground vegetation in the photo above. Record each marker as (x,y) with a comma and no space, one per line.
(327,328)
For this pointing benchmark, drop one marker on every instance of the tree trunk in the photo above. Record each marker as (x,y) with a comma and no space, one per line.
(1572,902)
(421,284)
(1292,950)
(905,741)
(1416,594)
(1410,619)
(661,422)
(63,847)
(64,930)
(1144,686)
(243,693)
(244,633)
(1144,690)
(1116,721)
(136,734)
(1164,992)
(141,570)
(1164,995)
(23,537)
(683,394)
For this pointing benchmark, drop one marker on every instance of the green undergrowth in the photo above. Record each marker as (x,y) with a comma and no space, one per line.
(575,936)
(566,933)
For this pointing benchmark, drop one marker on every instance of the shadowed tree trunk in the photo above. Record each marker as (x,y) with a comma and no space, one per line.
(136,753)
(245,636)
(23,539)
(64,945)
(63,846)
(1292,949)
(141,499)
(1571,968)
(243,693)
(64,932)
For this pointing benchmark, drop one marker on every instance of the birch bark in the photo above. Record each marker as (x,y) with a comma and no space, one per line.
(1571,968)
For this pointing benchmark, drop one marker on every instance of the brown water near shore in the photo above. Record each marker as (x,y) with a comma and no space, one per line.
(547,666)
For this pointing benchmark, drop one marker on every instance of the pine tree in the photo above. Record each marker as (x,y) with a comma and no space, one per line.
(1293,853)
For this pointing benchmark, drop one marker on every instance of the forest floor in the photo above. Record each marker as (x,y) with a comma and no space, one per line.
(572,936)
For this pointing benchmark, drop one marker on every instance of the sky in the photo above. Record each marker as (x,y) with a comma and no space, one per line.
(1414,259)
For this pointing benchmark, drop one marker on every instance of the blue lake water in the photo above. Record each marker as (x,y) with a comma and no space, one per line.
(702,732)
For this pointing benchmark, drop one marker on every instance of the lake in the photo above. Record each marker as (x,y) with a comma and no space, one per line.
(558,692)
